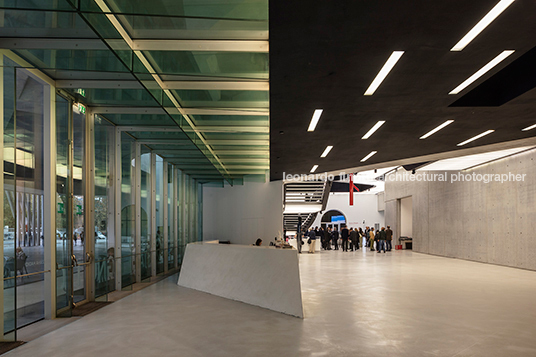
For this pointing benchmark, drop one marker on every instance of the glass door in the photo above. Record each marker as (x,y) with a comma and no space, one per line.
(71,257)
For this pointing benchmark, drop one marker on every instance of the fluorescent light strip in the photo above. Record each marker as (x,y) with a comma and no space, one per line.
(387,67)
(326,152)
(315,119)
(529,128)
(482,24)
(501,57)
(373,129)
(368,156)
(476,137)
(314,168)
(433,131)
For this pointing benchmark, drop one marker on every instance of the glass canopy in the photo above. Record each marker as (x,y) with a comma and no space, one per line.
(187,79)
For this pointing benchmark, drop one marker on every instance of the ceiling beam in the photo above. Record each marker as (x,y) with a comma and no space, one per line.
(178,85)
(260,142)
(218,111)
(232,129)
(150,128)
(201,45)
(217,85)
(138,45)
(127,110)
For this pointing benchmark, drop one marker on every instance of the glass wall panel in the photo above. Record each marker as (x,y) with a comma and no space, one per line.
(145,188)
(104,208)
(180,194)
(63,244)
(128,211)
(170,221)
(29,156)
(10,211)
(159,185)
(79,231)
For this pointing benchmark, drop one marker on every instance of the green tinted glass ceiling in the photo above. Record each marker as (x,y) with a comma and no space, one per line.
(237,9)
(141,119)
(49,24)
(165,27)
(223,98)
(163,66)
(248,65)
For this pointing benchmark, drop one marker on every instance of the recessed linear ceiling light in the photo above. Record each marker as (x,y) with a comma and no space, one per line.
(314,168)
(326,152)
(368,156)
(482,24)
(433,131)
(315,119)
(501,57)
(373,129)
(387,67)
(476,137)
(529,128)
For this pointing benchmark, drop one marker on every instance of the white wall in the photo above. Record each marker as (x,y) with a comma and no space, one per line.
(365,208)
(241,214)
(406,217)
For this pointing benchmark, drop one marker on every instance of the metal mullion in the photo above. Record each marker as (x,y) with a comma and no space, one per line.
(117,211)
(152,214)
(175,216)
(89,203)
(164,200)
(137,205)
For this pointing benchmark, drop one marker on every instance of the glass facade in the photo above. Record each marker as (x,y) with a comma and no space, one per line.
(103,170)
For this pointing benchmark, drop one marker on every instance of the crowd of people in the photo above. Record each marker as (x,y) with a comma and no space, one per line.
(350,239)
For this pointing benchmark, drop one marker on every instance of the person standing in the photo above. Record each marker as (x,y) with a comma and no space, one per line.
(354,238)
(389,238)
(345,234)
(335,238)
(381,243)
(322,234)
(312,239)
(371,239)
(327,238)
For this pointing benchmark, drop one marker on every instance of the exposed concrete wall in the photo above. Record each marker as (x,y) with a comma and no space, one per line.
(262,276)
(487,222)
(241,214)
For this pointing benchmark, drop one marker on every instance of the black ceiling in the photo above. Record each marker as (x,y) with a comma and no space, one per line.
(324,54)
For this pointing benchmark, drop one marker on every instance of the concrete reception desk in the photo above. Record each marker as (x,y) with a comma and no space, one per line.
(268,277)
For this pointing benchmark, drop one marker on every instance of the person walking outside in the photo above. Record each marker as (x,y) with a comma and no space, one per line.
(389,238)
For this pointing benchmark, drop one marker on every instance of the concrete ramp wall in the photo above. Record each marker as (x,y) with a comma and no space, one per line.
(262,276)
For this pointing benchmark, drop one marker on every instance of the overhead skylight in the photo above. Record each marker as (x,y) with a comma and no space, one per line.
(476,137)
(373,129)
(433,131)
(315,119)
(468,161)
(501,57)
(482,24)
(387,67)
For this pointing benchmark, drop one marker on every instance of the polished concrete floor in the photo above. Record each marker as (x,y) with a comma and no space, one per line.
(356,304)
